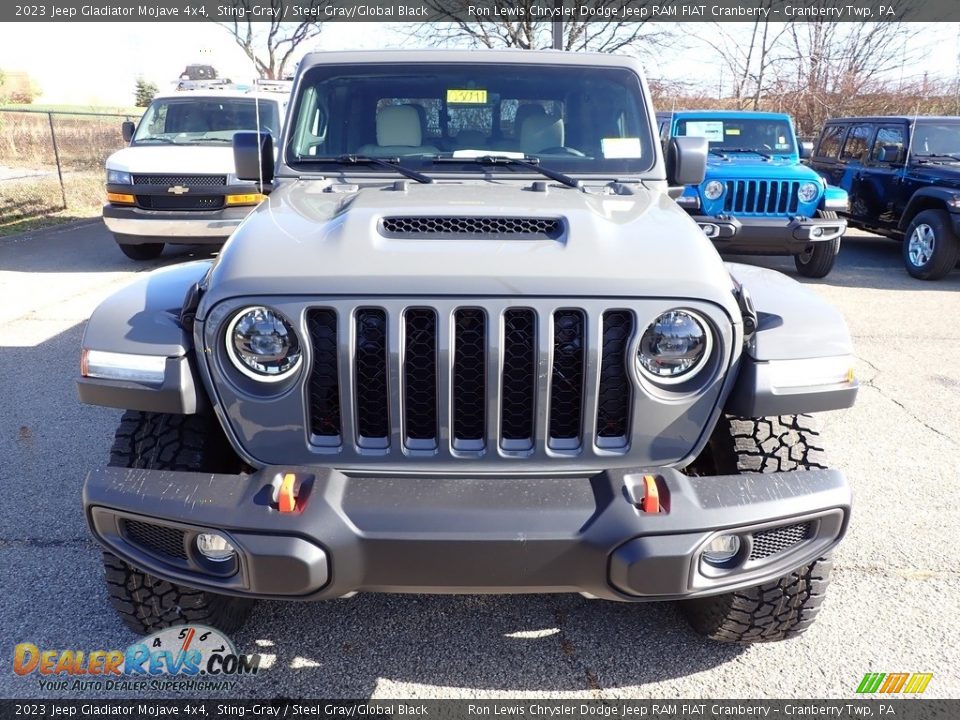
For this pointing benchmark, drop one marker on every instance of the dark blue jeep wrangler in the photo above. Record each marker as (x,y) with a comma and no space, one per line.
(903,177)
(757,198)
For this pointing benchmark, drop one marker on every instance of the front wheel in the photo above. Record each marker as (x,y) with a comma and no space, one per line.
(786,607)
(817,260)
(169,442)
(930,247)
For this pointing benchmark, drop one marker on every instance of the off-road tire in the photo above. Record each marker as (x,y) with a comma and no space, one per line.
(946,246)
(141,252)
(169,442)
(786,607)
(818,262)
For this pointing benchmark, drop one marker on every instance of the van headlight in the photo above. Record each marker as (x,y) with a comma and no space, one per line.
(674,347)
(118,177)
(808,192)
(262,344)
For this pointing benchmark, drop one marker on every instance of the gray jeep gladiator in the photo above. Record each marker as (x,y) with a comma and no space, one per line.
(468,344)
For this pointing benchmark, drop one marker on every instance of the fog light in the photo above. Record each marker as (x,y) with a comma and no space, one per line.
(721,550)
(214,546)
(816,232)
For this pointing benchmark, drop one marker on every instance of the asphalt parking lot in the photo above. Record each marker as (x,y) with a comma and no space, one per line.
(893,606)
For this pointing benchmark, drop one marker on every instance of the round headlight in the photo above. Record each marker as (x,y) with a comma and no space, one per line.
(713,189)
(674,347)
(262,344)
(808,191)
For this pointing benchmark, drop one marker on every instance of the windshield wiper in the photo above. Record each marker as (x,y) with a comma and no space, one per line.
(528,162)
(155,138)
(714,151)
(749,150)
(391,163)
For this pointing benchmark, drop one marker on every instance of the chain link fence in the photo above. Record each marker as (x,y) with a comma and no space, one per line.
(54,161)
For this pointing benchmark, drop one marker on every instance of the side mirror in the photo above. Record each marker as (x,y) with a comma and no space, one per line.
(806,150)
(253,156)
(890,154)
(128,128)
(686,160)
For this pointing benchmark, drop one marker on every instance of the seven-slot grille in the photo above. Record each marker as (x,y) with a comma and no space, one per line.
(467,379)
(761,197)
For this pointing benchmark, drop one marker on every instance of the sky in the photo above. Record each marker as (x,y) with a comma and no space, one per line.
(114,54)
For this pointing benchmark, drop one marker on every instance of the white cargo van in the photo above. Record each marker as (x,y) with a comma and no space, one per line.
(175,182)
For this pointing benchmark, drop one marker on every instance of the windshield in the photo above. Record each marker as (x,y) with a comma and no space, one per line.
(937,139)
(763,135)
(204,121)
(573,119)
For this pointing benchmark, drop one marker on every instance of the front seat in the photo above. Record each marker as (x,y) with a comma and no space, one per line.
(398,133)
(541,132)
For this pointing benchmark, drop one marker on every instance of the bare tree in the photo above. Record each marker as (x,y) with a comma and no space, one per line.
(522,24)
(747,55)
(271,44)
(829,65)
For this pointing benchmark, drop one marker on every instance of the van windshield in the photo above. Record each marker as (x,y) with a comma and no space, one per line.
(204,121)
(761,135)
(440,117)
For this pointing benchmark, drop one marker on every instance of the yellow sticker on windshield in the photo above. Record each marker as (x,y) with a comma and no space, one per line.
(733,131)
(466,97)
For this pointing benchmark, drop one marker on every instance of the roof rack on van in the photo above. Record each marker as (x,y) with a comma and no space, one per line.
(283,86)
(211,84)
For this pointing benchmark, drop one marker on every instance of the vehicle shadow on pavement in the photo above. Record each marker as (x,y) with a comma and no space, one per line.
(511,644)
(865,261)
(83,247)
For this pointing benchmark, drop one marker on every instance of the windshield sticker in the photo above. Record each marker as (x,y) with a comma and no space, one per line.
(783,145)
(466,97)
(712,130)
(620,148)
(733,131)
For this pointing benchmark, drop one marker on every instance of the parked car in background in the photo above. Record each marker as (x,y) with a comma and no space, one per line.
(757,198)
(903,177)
(175,182)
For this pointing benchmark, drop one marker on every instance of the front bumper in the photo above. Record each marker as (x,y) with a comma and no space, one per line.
(188,227)
(768,236)
(465,535)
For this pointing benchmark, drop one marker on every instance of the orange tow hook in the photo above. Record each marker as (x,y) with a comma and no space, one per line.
(651,495)
(286,494)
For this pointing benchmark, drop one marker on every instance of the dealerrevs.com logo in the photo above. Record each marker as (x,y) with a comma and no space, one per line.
(189,657)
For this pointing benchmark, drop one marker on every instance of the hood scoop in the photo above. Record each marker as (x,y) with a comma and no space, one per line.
(475,227)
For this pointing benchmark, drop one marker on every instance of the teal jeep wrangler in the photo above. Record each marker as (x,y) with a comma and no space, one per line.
(757,198)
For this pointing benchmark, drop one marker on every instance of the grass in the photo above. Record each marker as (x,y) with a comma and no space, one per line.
(36,203)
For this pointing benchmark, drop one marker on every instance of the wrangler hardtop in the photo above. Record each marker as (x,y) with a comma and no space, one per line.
(469,343)
(903,177)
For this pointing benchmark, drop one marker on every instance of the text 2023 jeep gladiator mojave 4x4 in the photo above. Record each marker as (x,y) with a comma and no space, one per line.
(468,344)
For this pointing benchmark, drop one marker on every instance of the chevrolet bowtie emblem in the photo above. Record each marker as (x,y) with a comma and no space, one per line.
(178,189)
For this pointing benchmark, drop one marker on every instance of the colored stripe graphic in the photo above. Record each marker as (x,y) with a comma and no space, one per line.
(913,683)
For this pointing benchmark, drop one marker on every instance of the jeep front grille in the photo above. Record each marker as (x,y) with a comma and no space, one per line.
(761,197)
(485,227)
(182,180)
(463,379)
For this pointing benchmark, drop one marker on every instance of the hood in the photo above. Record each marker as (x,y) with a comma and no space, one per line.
(317,238)
(755,167)
(174,159)
(945,174)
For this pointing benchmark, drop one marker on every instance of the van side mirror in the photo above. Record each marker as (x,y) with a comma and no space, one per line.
(128,128)
(253,156)
(806,150)
(686,160)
